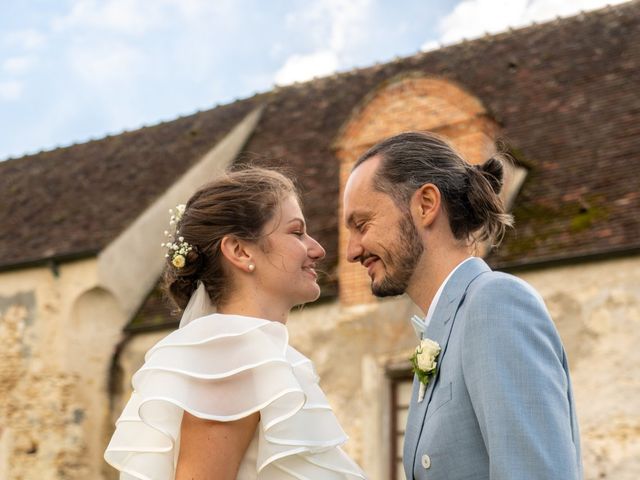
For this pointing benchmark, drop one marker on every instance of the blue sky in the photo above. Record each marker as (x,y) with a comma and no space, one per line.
(73,70)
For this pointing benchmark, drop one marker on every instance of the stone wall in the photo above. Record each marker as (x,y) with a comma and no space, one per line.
(57,334)
(597,310)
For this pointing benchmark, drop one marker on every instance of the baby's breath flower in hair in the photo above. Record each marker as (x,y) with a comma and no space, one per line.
(179,249)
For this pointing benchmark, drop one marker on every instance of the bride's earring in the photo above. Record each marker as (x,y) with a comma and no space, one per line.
(252,267)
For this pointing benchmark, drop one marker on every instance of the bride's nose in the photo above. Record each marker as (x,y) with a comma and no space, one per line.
(315,250)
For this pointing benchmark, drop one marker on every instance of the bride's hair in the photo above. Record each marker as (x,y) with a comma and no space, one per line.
(239,204)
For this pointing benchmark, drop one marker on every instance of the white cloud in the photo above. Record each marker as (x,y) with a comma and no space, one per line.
(28,39)
(10,90)
(473,18)
(108,64)
(430,45)
(347,21)
(104,50)
(300,68)
(333,27)
(122,16)
(17,65)
(136,17)
(105,36)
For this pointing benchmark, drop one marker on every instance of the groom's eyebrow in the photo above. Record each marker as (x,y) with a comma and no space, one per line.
(350,220)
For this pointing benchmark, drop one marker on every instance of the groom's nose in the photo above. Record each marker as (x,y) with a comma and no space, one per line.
(354,249)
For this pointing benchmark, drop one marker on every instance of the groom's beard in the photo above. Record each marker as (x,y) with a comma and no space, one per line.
(400,261)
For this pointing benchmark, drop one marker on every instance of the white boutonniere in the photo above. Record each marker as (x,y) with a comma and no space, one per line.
(425,364)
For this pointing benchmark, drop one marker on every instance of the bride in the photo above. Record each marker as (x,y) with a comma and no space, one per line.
(225,396)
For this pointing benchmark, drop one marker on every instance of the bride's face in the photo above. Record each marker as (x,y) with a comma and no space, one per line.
(285,266)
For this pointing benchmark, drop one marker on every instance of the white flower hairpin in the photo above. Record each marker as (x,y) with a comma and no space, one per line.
(178,248)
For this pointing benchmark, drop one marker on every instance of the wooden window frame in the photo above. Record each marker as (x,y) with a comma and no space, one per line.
(396,374)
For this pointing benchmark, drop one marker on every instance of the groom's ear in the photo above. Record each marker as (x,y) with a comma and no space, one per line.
(425,204)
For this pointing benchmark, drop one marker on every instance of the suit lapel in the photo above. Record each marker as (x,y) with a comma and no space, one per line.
(439,330)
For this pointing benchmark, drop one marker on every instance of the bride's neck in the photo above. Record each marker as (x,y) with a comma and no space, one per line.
(253,306)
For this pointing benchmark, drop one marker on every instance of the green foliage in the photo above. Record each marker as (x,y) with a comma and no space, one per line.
(586,218)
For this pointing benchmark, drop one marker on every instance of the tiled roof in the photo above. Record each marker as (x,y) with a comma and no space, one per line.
(565,93)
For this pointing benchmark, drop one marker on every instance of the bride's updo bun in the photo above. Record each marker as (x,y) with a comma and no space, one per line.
(239,203)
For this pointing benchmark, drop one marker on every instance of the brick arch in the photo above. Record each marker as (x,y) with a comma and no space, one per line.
(419,103)
(410,102)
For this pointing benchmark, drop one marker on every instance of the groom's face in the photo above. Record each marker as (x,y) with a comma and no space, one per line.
(382,237)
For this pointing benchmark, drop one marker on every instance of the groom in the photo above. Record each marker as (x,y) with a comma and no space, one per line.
(499,404)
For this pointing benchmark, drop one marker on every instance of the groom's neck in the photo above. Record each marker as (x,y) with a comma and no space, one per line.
(433,268)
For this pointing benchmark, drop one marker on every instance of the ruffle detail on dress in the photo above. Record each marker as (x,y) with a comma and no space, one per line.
(226,367)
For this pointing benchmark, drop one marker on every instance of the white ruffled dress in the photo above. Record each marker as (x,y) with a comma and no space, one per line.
(226,367)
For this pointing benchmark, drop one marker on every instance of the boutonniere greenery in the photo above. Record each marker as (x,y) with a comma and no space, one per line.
(425,363)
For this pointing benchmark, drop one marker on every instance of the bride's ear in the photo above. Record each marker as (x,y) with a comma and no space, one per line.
(237,253)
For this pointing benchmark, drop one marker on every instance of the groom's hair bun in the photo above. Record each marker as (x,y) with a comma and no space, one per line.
(493,172)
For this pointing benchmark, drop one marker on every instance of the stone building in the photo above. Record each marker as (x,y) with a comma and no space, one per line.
(80,253)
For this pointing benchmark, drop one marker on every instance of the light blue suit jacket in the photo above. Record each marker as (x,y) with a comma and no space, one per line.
(500,406)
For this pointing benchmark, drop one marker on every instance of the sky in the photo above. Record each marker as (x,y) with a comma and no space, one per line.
(76,70)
